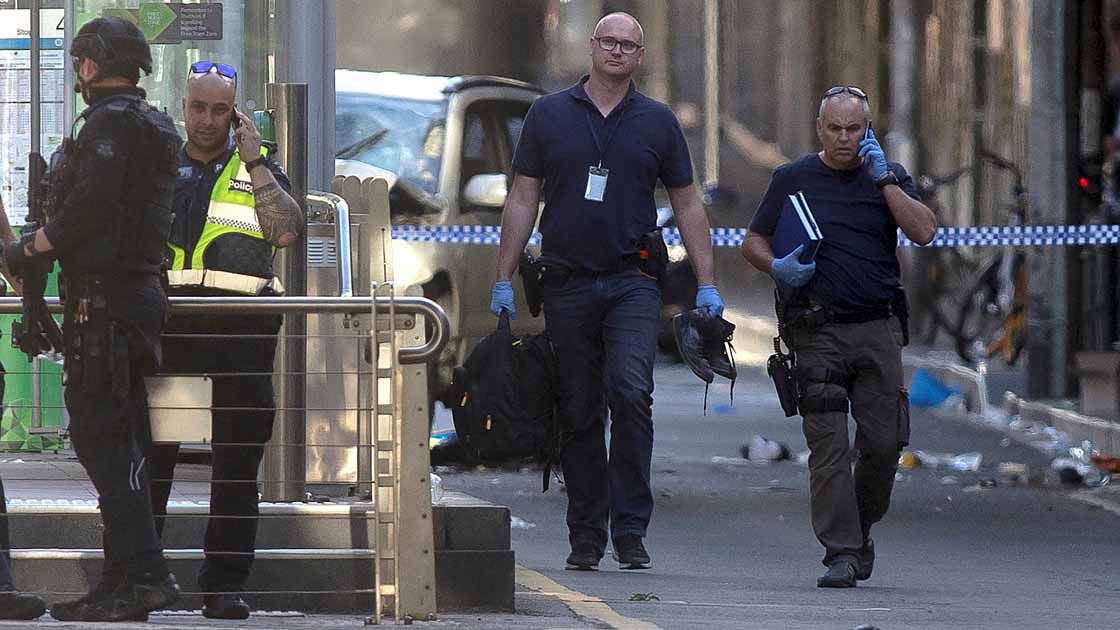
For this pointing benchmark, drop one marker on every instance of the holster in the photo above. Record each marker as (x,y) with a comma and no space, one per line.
(780,365)
(530,272)
(98,358)
(780,368)
(900,307)
(653,256)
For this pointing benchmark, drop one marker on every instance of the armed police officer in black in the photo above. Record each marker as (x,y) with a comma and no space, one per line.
(598,150)
(843,315)
(108,232)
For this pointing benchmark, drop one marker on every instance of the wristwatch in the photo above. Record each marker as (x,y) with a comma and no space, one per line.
(251,164)
(887,179)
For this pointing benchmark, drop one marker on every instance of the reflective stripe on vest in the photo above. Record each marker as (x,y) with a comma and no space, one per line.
(232,210)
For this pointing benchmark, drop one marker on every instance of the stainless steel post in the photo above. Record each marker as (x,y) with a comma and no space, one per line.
(36,138)
(711,91)
(285,460)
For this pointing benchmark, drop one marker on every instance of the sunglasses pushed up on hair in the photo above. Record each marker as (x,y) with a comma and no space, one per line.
(206,67)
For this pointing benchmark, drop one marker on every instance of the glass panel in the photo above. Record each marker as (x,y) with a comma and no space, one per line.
(15,99)
(246,27)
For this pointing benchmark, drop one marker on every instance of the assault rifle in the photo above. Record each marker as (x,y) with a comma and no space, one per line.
(36,332)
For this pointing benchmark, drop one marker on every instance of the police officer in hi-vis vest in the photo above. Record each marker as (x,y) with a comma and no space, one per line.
(233,209)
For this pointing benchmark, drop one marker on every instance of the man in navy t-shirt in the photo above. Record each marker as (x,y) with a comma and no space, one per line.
(843,317)
(599,148)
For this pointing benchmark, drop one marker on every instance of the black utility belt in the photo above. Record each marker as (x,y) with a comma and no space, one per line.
(817,316)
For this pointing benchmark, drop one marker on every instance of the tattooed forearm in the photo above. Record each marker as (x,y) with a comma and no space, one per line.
(280,216)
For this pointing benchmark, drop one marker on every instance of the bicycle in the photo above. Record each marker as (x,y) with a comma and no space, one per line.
(992,317)
(944,271)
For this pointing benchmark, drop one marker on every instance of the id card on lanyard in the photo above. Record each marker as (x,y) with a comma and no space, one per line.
(597,176)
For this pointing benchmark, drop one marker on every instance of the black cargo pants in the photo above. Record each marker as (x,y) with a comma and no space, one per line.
(238,352)
(861,364)
(108,356)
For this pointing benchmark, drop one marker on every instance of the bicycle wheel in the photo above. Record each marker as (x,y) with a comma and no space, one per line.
(980,320)
(951,277)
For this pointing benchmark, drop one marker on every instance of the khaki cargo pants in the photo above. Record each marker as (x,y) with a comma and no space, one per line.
(861,364)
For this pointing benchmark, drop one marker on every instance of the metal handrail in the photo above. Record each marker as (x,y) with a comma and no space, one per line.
(341,237)
(300,304)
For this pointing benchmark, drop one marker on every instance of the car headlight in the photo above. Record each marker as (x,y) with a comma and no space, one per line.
(677,253)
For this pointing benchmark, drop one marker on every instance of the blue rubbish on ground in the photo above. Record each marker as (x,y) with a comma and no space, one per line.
(926,390)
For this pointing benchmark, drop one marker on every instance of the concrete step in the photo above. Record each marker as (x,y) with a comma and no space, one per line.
(312,557)
(460,524)
(328,581)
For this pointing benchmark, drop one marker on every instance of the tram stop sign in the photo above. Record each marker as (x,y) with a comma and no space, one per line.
(172,23)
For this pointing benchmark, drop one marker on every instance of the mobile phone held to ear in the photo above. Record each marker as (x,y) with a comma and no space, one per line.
(235,121)
(867,133)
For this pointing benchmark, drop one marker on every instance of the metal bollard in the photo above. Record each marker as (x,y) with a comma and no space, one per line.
(283,472)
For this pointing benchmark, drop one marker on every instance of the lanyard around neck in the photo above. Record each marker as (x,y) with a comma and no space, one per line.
(603,146)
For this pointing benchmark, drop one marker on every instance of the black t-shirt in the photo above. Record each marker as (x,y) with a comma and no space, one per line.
(641,142)
(194,186)
(856,263)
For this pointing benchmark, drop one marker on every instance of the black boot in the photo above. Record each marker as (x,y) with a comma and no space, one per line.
(840,574)
(630,552)
(688,330)
(133,600)
(74,609)
(585,556)
(16,605)
(224,606)
(866,559)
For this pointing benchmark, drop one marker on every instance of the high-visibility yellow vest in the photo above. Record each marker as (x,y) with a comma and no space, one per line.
(232,210)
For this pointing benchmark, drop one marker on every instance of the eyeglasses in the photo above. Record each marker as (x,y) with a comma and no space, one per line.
(205,67)
(626,46)
(850,89)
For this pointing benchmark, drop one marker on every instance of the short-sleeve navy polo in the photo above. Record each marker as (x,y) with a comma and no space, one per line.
(642,142)
(856,264)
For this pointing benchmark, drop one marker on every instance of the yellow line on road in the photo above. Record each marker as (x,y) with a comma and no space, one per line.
(580,604)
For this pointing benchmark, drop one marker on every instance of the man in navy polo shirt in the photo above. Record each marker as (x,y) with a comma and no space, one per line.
(843,316)
(599,148)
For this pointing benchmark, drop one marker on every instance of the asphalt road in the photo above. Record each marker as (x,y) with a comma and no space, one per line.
(732,546)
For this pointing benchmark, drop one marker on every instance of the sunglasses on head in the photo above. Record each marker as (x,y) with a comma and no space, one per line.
(841,89)
(205,67)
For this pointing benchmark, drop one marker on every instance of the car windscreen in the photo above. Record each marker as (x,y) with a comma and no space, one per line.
(399,135)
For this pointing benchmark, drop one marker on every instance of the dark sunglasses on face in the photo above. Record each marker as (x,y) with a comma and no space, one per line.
(841,89)
(204,67)
(626,46)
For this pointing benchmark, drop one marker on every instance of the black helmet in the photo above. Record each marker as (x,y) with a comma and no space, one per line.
(116,45)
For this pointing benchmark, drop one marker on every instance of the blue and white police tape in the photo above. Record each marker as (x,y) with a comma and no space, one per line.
(983,236)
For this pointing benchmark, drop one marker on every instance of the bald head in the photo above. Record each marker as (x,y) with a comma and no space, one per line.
(608,59)
(208,109)
(626,22)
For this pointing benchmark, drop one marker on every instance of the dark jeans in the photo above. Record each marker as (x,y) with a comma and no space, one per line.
(238,353)
(109,426)
(861,363)
(604,330)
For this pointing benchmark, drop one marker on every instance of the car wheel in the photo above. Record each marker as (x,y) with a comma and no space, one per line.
(453,354)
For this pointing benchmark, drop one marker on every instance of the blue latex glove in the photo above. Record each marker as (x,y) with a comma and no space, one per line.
(873,157)
(707,295)
(501,297)
(789,270)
